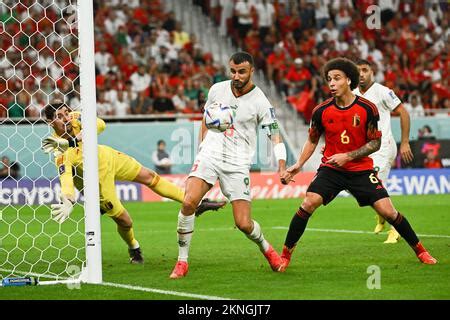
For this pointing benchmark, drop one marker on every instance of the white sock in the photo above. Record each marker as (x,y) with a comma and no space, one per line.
(185,229)
(135,245)
(257,237)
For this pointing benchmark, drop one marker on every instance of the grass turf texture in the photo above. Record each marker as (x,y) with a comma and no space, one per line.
(224,263)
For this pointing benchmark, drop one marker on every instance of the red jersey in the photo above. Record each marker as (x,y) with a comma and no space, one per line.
(346,129)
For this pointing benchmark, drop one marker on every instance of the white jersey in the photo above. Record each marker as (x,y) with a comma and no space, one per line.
(236,146)
(386,101)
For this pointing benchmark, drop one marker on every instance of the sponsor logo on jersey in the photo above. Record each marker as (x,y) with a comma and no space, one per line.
(392,95)
(62,169)
(272,113)
(356,120)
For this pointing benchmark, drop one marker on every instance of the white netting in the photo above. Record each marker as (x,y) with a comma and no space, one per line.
(38,65)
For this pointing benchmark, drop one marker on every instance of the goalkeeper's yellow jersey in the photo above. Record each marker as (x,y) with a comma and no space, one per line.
(70,167)
(70,164)
(76,124)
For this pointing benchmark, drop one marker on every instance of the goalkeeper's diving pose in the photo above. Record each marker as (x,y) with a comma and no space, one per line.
(66,145)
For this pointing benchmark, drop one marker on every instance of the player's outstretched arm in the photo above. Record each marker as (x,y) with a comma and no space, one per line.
(279,150)
(101,125)
(308,149)
(369,148)
(340,159)
(405,124)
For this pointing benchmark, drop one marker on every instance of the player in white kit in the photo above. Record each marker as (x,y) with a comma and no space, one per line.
(386,102)
(227,156)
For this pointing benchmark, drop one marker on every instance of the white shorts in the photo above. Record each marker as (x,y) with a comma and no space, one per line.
(234,181)
(382,161)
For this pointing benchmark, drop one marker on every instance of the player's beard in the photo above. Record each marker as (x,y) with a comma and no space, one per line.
(239,85)
(364,84)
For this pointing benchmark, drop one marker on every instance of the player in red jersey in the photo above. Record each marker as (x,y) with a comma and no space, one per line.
(350,126)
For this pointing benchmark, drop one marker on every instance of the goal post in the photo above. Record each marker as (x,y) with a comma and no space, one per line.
(46,55)
(89,136)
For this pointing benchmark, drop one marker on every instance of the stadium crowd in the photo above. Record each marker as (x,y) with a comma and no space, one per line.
(146,63)
(291,40)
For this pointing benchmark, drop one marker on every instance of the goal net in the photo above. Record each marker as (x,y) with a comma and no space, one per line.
(40,63)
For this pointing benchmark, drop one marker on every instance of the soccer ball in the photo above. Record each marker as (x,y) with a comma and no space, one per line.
(218,117)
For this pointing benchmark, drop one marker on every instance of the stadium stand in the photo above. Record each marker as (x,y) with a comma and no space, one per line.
(144,57)
(315,31)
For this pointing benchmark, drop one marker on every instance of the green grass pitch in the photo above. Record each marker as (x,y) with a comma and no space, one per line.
(330,263)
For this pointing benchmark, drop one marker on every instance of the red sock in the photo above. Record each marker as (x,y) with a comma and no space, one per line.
(418,249)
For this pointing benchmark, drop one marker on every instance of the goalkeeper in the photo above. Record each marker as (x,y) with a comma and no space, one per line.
(66,145)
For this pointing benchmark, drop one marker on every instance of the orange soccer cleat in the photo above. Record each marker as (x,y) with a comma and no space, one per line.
(274,258)
(286,258)
(426,258)
(180,270)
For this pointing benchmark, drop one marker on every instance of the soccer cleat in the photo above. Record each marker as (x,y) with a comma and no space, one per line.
(285,258)
(274,258)
(378,228)
(136,256)
(426,258)
(180,270)
(207,204)
(380,224)
(393,236)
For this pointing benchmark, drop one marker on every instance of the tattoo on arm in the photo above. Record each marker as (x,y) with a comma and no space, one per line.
(365,150)
(314,135)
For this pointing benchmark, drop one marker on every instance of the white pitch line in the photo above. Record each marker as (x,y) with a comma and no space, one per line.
(166,292)
(313,229)
(122,286)
(364,232)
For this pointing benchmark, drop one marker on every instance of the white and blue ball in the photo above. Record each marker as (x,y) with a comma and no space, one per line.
(218,117)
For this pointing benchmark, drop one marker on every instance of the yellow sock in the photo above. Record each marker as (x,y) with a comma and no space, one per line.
(166,189)
(127,235)
(380,219)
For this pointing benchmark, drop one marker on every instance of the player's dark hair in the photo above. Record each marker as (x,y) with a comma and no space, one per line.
(241,57)
(50,109)
(361,62)
(346,66)
(160,141)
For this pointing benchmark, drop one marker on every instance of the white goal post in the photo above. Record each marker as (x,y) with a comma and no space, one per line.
(43,43)
(89,120)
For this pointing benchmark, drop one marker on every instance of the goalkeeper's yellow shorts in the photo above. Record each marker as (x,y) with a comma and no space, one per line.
(114,166)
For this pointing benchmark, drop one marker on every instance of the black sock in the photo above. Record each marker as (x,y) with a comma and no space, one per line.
(297,227)
(404,228)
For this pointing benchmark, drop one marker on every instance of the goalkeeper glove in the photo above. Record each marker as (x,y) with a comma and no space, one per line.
(61,211)
(57,145)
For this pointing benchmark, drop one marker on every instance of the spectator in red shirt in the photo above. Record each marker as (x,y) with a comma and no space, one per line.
(297,78)
(275,63)
(432,161)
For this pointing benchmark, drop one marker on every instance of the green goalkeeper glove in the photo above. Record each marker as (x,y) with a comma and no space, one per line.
(61,211)
(56,145)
